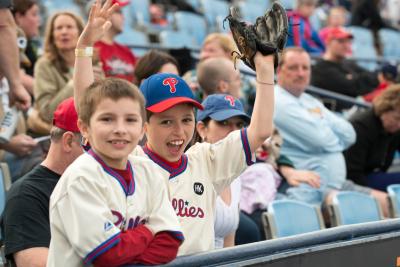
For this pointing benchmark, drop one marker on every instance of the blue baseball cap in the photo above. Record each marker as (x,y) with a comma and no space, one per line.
(165,90)
(221,107)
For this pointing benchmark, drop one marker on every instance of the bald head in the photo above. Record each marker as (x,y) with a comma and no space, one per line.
(218,75)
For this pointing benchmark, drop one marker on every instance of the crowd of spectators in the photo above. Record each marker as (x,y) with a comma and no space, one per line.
(315,151)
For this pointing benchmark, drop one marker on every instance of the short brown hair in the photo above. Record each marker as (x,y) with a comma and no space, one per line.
(387,101)
(21,6)
(151,63)
(112,88)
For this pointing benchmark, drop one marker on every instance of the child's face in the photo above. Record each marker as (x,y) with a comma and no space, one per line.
(218,130)
(169,132)
(114,131)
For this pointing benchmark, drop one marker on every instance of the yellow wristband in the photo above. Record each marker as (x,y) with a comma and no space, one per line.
(84,52)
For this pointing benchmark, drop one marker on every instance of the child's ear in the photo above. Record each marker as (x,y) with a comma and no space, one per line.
(201,129)
(83,128)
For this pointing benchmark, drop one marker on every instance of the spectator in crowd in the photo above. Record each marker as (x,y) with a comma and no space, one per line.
(269,179)
(390,12)
(222,115)
(334,73)
(53,71)
(378,139)
(314,137)
(301,33)
(387,76)
(9,63)
(157,15)
(217,75)
(214,45)
(27,16)
(153,62)
(365,13)
(117,59)
(21,152)
(337,18)
(26,216)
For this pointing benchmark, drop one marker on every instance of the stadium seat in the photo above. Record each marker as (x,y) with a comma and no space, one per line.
(140,12)
(214,11)
(287,4)
(177,39)
(193,24)
(353,207)
(132,37)
(363,47)
(390,40)
(279,220)
(54,6)
(394,199)
(250,11)
(5,184)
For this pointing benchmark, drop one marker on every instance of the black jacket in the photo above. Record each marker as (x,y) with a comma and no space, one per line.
(374,148)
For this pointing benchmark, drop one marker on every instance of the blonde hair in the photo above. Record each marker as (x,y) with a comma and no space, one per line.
(51,52)
(224,40)
(387,101)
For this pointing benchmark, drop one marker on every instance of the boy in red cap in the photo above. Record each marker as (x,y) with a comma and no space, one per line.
(26,217)
(197,176)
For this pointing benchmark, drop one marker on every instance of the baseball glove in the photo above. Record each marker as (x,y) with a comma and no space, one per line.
(268,35)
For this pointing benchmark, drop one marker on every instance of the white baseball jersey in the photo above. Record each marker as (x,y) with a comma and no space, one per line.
(206,169)
(92,204)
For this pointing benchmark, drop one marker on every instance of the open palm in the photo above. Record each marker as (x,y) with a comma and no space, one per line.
(98,23)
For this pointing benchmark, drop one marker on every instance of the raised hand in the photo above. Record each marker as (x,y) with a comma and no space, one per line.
(98,23)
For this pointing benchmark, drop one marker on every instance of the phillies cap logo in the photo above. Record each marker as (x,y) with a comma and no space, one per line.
(231,100)
(171,82)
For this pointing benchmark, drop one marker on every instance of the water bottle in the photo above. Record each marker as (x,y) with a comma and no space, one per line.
(8,125)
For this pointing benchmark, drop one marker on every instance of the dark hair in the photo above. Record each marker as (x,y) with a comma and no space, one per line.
(112,88)
(151,63)
(22,6)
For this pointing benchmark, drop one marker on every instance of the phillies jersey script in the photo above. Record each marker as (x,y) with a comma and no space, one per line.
(92,204)
(205,170)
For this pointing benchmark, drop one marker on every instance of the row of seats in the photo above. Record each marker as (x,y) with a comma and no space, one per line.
(290,217)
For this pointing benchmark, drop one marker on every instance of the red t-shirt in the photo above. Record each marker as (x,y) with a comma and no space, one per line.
(118,60)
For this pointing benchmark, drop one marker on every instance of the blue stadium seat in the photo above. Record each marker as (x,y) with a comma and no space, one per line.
(287,4)
(262,5)
(394,198)
(363,47)
(354,207)
(62,5)
(390,40)
(214,11)
(177,39)
(279,222)
(250,11)
(140,11)
(132,37)
(193,24)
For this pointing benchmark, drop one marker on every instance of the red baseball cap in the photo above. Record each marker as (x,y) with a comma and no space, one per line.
(121,3)
(65,116)
(338,33)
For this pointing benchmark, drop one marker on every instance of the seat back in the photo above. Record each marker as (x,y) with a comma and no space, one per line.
(176,39)
(394,199)
(353,207)
(214,11)
(290,217)
(390,40)
(195,25)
